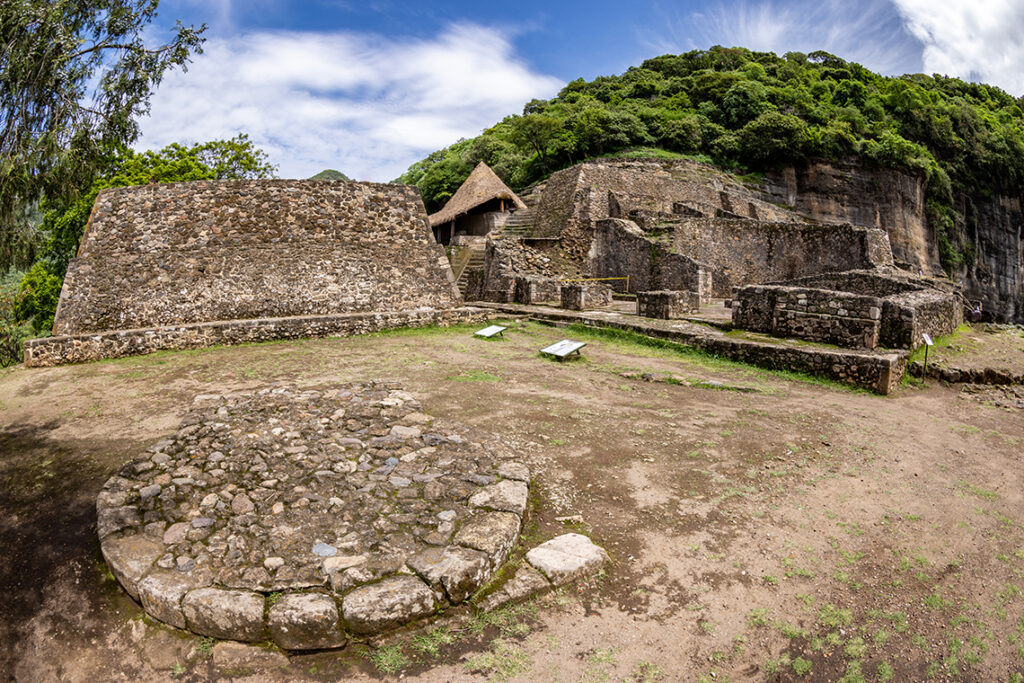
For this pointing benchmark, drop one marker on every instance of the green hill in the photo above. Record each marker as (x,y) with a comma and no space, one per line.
(748,111)
(330,174)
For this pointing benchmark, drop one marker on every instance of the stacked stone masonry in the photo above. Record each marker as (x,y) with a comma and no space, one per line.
(667,304)
(181,253)
(585,296)
(899,315)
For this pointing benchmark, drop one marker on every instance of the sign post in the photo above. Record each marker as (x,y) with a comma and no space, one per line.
(927,342)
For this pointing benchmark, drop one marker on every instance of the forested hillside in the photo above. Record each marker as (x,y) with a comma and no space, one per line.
(749,111)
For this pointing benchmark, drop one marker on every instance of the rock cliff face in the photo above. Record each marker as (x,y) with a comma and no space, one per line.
(995,225)
(892,200)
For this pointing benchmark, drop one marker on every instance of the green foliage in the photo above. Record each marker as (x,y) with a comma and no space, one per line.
(39,291)
(74,77)
(753,111)
(12,332)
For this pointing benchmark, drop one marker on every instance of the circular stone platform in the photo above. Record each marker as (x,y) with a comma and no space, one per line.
(307,516)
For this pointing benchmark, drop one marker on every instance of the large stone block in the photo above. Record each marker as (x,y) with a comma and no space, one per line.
(225,613)
(585,296)
(391,602)
(567,557)
(305,621)
(161,593)
(130,558)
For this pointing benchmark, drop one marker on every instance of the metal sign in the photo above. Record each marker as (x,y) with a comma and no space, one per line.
(927,339)
(563,348)
(490,331)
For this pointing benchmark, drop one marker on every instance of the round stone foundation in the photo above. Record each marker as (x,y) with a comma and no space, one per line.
(310,517)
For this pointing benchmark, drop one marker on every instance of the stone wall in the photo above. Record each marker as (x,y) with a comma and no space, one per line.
(179,253)
(666,304)
(531,289)
(897,321)
(584,296)
(819,315)
(907,317)
(621,249)
(576,198)
(64,350)
(741,252)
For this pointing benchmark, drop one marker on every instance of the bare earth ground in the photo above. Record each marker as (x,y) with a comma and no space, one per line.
(795,532)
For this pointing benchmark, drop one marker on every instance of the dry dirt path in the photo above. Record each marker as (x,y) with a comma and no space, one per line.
(795,531)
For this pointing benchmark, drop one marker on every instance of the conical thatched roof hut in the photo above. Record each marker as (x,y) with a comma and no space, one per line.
(481,188)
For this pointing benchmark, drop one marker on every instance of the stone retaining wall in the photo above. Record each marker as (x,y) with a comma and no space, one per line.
(666,304)
(64,350)
(621,249)
(740,251)
(182,253)
(898,321)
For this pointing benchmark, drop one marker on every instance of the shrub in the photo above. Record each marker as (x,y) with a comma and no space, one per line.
(36,304)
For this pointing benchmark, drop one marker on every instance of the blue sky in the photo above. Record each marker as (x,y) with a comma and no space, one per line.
(370,87)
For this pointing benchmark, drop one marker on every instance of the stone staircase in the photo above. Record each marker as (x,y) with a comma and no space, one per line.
(520,224)
(472,259)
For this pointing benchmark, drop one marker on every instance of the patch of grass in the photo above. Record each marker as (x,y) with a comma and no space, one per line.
(430,643)
(388,659)
(758,617)
(833,617)
(633,342)
(977,490)
(509,620)
(501,663)
(474,376)
(205,646)
(645,672)
(801,666)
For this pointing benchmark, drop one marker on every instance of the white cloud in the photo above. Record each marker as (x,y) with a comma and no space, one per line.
(360,103)
(979,41)
(870,32)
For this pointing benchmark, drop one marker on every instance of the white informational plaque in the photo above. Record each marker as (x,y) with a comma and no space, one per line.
(563,348)
(490,331)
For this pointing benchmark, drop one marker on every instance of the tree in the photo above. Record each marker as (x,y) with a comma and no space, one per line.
(74,77)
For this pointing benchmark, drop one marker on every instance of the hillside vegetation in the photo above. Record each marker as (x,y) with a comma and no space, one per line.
(752,111)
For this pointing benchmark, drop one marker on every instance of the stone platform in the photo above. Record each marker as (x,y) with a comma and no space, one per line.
(311,517)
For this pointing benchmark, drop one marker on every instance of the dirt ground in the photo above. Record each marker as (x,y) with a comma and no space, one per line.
(760,527)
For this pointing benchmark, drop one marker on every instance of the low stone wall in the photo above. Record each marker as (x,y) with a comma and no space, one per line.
(878,372)
(896,321)
(840,318)
(584,296)
(906,318)
(531,289)
(84,348)
(666,304)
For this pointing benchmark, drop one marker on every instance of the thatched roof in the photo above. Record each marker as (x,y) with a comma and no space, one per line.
(480,187)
